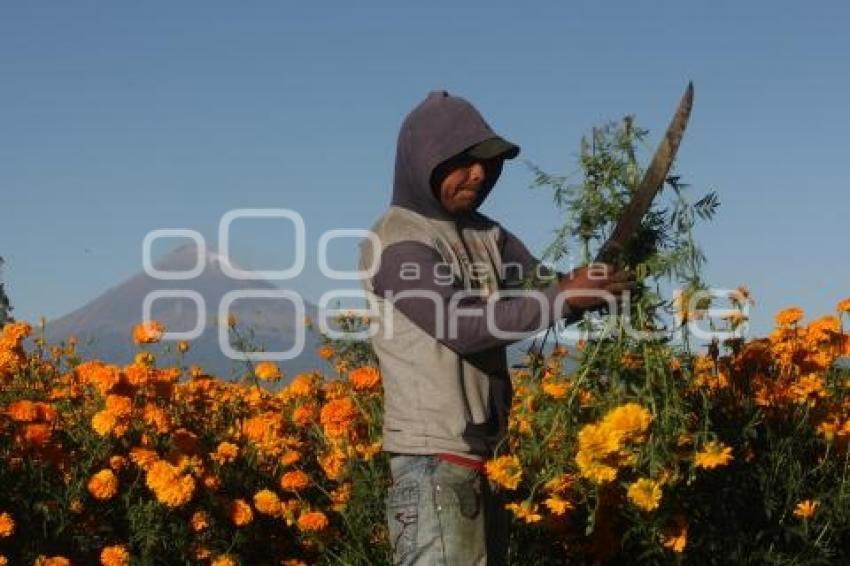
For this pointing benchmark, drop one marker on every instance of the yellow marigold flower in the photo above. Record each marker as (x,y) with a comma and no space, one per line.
(312,521)
(294,481)
(628,421)
(148,333)
(326,352)
(199,521)
(240,512)
(556,389)
(713,455)
(182,346)
(337,415)
(505,471)
(645,493)
(598,440)
(676,539)
(267,371)
(102,422)
(557,505)
(7,525)
(805,509)
(267,502)
(76,506)
(144,359)
(224,560)
(103,485)
(789,316)
(115,555)
(225,452)
(526,511)
(593,469)
(364,378)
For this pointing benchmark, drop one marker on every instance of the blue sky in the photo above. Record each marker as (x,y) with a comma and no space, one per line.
(119,118)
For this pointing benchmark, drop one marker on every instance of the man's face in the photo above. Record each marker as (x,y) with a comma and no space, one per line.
(463,181)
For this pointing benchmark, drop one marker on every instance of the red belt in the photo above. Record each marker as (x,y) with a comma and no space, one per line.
(461,460)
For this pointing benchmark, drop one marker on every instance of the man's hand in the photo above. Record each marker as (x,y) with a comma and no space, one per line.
(598,279)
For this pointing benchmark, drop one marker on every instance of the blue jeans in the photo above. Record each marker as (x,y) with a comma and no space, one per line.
(444,514)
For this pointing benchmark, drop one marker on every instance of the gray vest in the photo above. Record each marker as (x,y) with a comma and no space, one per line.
(434,399)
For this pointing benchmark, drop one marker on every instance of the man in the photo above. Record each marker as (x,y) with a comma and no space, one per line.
(441,268)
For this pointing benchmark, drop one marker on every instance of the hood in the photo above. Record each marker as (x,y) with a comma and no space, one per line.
(439,128)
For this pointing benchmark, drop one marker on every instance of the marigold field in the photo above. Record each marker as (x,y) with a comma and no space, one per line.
(738,455)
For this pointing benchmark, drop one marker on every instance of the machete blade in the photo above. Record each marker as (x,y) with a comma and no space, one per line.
(653,180)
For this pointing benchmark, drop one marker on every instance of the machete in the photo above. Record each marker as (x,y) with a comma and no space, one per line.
(651,183)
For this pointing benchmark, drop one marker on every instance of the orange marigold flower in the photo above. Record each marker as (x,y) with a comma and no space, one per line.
(326,352)
(337,415)
(182,346)
(240,512)
(115,555)
(805,509)
(364,378)
(23,411)
(225,452)
(170,487)
(101,376)
(301,386)
(267,371)
(52,561)
(103,485)
(117,462)
(628,421)
(714,454)
(333,464)
(119,405)
(295,480)
(303,415)
(267,502)
(199,521)
(289,457)
(843,306)
(7,525)
(312,521)
(505,471)
(148,333)
(143,457)
(789,316)
(224,560)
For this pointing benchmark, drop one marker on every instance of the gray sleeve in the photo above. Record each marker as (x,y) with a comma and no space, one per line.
(427,301)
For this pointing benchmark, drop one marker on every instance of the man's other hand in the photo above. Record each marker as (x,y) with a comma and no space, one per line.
(598,278)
